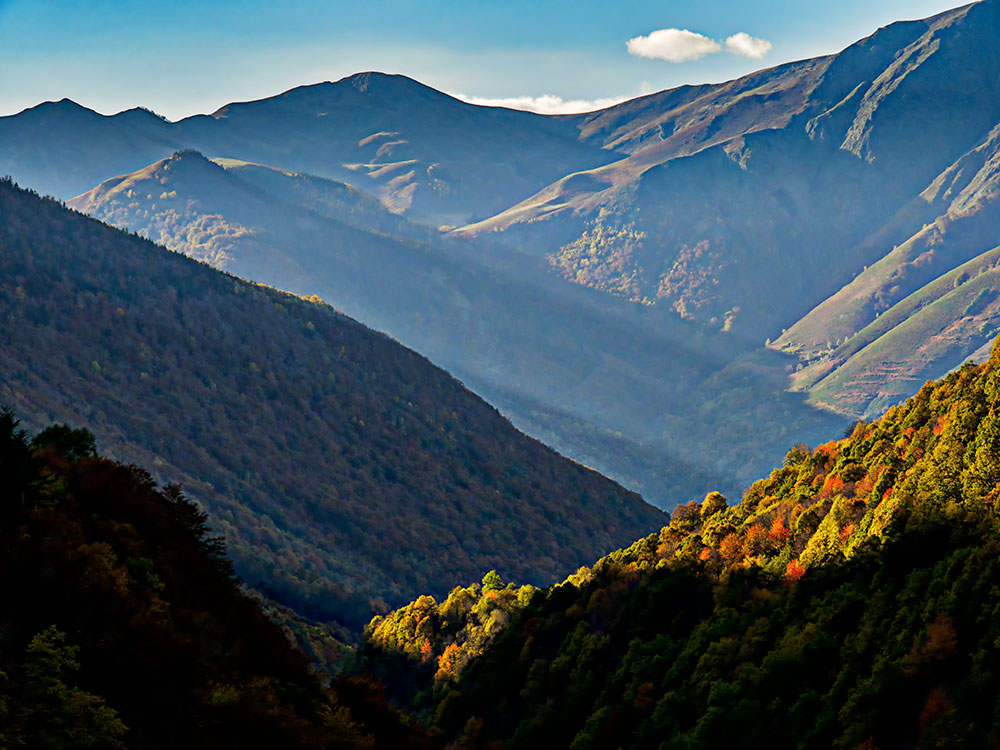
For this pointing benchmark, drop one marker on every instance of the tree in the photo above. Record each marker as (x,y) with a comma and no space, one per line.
(714,502)
(56,715)
(72,443)
(492,581)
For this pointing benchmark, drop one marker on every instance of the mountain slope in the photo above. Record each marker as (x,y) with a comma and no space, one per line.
(632,391)
(934,274)
(61,148)
(693,226)
(849,600)
(794,178)
(346,471)
(124,627)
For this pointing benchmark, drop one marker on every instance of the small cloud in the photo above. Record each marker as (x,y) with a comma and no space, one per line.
(673,45)
(747,46)
(547,104)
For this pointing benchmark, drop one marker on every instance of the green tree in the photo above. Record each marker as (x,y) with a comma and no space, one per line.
(72,443)
(55,714)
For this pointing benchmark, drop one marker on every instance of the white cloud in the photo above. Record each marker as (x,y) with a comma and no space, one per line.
(547,104)
(674,45)
(747,46)
(681,45)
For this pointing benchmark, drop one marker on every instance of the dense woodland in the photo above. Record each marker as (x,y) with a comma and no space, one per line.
(849,600)
(124,627)
(338,465)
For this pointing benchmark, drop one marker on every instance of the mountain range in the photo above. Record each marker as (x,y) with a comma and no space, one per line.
(673,290)
(610,274)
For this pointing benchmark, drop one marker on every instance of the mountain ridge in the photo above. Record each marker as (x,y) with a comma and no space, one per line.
(612,394)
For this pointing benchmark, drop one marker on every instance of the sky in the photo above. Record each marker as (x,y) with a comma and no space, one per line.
(181,57)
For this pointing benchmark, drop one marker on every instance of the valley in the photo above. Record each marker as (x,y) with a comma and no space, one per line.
(363,416)
(643,256)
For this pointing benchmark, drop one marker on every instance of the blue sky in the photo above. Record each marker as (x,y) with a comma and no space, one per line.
(180,57)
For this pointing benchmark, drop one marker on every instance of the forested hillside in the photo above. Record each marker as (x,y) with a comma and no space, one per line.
(124,627)
(849,600)
(346,472)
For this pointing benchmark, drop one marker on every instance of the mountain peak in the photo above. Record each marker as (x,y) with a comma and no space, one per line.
(375,83)
(369,80)
(64,105)
(142,113)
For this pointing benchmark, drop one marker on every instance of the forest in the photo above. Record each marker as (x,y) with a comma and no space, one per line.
(336,463)
(124,626)
(849,600)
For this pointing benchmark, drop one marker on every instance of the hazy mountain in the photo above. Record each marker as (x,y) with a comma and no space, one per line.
(633,391)
(821,197)
(346,472)
(794,178)
(60,148)
(420,151)
(925,306)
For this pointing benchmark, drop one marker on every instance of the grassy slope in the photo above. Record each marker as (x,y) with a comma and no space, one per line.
(958,211)
(909,313)
(933,334)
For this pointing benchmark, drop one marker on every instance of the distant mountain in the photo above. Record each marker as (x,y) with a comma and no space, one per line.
(926,305)
(420,151)
(346,472)
(61,148)
(813,203)
(849,600)
(632,391)
(733,194)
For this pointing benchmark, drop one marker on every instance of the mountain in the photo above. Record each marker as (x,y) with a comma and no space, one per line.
(849,600)
(124,625)
(634,392)
(62,148)
(653,276)
(864,181)
(420,151)
(917,311)
(795,177)
(346,472)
